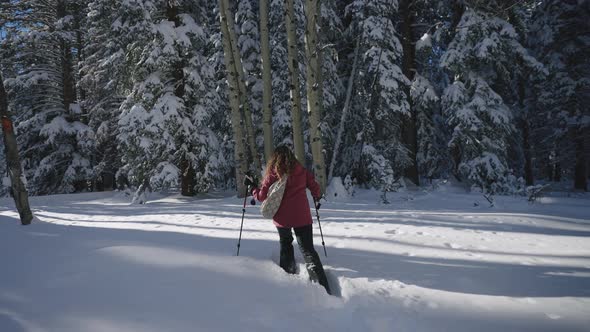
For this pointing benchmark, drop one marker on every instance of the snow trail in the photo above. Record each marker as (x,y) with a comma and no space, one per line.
(92,262)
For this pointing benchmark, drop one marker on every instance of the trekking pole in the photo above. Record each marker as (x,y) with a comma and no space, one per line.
(242,224)
(317,213)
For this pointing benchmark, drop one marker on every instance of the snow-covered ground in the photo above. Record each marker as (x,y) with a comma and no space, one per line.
(427,262)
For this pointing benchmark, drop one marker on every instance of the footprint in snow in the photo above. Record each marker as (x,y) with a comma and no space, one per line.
(452,245)
(408,303)
(432,305)
(528,300)
(335,286)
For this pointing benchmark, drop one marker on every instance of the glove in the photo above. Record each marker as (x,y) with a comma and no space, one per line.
(250,181)
(317,203)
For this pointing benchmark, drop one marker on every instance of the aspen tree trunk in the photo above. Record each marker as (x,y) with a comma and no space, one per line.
(234,101)
(409,70)
(243,93)
(19,191)
(313,85)
(293,65)
(345,109)
(266,81)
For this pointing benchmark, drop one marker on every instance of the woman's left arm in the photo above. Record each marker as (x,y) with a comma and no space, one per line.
(313,186)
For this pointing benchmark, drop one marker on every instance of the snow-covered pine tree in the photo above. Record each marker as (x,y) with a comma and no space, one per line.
(332,85)
(249,45)
(220,117)
(106,79)
(481,55)
(207,156)
(57,145)
(373,151)
(408,13)
(560,38)
(282,123)
(423,129)
(331,33)
(430,151)
(163,133)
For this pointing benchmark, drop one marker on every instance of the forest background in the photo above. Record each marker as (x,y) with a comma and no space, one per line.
(190,95)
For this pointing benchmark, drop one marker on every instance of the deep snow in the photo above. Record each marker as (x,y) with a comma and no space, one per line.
(430,261)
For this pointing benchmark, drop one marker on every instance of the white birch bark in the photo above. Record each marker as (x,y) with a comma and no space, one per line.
(17,178)
(293,66)
(313,90)
(234,100)
(241,78)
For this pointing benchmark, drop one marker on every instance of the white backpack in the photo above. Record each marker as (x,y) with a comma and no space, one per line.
(271,204)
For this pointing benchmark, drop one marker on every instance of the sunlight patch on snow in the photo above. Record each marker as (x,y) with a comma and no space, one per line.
(448,264)
(570,274)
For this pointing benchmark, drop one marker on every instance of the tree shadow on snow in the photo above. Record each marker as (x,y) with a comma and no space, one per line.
(452,275)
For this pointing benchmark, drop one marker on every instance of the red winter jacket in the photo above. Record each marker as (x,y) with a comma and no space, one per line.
(294,210)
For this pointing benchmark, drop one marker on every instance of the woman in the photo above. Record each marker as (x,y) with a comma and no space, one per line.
(293,211)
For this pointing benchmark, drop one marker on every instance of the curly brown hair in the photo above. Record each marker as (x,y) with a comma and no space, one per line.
(282,162)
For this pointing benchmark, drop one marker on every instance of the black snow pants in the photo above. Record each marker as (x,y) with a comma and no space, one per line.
(312,259)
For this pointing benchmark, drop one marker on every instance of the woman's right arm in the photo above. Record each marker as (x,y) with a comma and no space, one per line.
(262,192)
